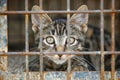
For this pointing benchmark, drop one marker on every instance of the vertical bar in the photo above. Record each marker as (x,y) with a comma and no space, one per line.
(68,31)
(113,41)
(68,24)
(40,45)
(41,3)
(26,28)
(41,24)
(26,40)
(102,39)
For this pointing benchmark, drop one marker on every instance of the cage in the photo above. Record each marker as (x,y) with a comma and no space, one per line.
(17,41)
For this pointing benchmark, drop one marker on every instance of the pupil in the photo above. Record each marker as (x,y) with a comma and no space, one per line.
(50,39)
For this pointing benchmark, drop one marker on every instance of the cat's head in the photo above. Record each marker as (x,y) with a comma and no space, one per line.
(55,33)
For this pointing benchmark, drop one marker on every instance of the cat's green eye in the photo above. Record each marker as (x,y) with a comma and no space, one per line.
(50,40)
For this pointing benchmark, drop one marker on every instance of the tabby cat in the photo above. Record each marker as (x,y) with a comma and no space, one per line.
(55,38)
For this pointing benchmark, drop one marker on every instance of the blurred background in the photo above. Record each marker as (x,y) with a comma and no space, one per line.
(16,22)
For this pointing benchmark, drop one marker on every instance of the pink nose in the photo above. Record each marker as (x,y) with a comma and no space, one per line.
(60,48)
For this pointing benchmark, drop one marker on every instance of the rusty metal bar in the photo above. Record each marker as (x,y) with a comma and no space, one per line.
(26,28)
(57,12)
(41,4)
(113,41)
(40,45)
(51,53)
(68,31)
(27,68)
(102,77)
(26,40)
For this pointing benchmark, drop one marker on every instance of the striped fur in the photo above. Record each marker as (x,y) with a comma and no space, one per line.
(55,35)
(55,39)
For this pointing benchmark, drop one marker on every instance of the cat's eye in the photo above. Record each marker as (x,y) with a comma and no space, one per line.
(50,40)
(71,40)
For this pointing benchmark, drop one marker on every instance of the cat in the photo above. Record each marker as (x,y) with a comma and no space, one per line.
(55,39)
(82,37)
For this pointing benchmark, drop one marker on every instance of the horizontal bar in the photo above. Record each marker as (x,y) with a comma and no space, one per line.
(51,53)
(57,12)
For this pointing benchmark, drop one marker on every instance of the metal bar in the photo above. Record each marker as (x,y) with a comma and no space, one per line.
(26,40)
(41,4)
(113,41)
(51,53)
(40,45)
(57,12)
(26,27)
(102,77)
(27,68)
(68,31)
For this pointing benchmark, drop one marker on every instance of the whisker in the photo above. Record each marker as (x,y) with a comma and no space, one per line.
(84,49)
(87,49)
(83,59)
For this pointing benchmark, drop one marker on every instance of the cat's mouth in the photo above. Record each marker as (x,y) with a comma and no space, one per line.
(59,59)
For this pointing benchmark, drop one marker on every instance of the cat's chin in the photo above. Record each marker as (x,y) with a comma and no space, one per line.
(59,62)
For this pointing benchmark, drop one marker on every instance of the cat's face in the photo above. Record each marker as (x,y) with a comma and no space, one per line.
(55,34)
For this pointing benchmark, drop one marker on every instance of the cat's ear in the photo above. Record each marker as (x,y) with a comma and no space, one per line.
(36,19)
(80,20)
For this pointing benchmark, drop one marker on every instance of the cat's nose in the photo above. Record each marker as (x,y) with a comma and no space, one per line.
(60,48)
(60,55)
